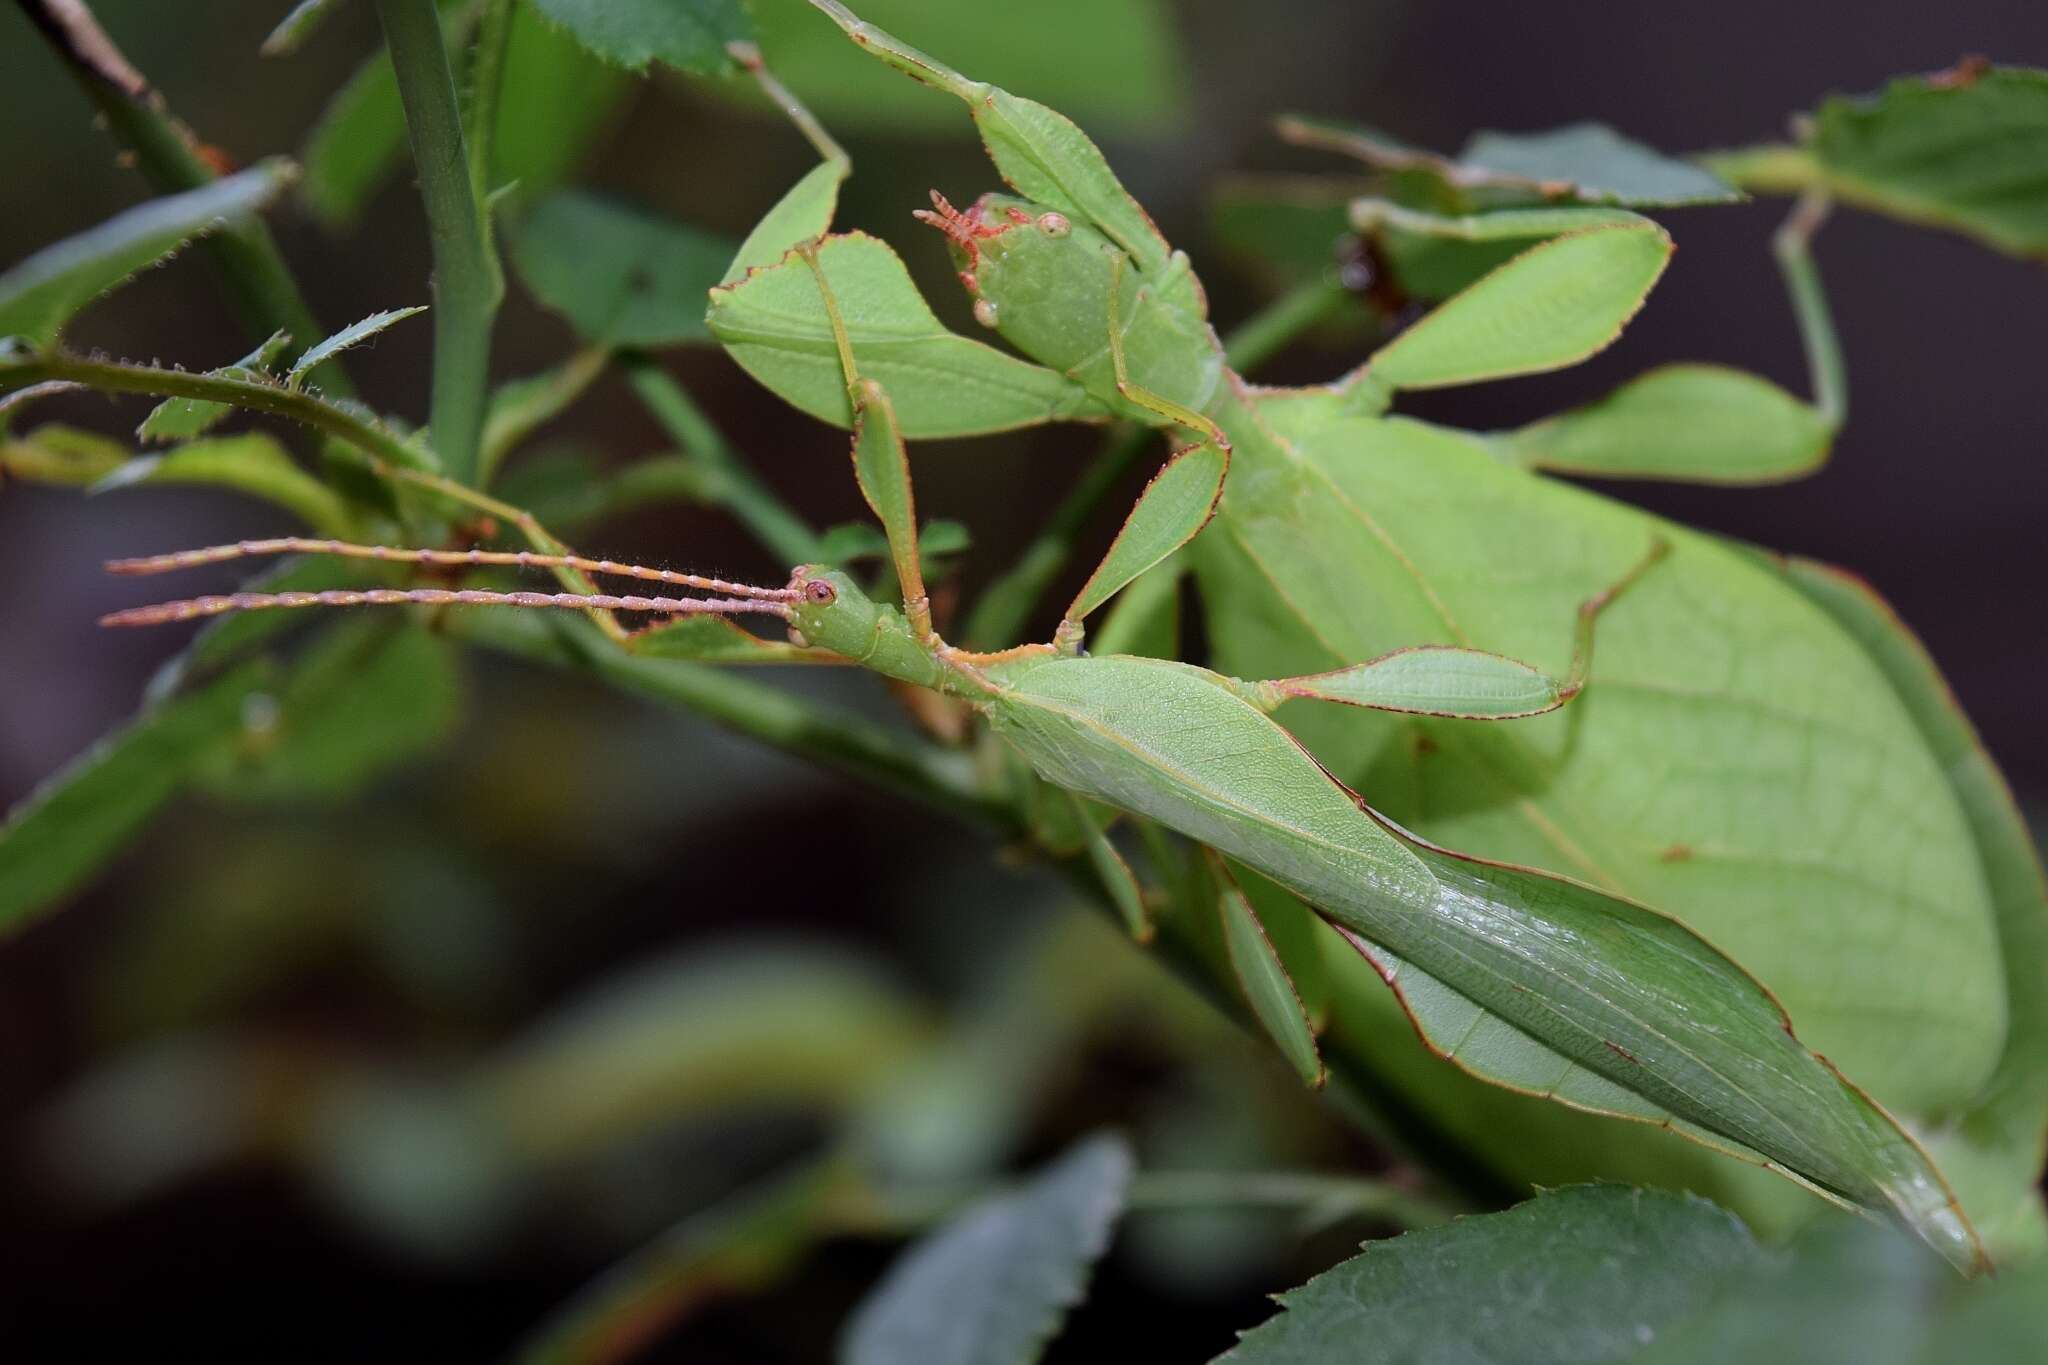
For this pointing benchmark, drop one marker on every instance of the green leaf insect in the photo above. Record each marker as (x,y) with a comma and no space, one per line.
(1487,816)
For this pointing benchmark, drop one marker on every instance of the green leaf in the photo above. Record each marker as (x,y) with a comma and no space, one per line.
(251,462)
(1697,423)
(993,1286)
(1293,228)
(1174,507)
(1132,79)
(1146,618)
(181,419)
(66,830)
(689,35)
(1960,150)
(352,335)
(370,694)
(622,276)
(40,295)
(64,456)
(1573,1277)
(1593,164)
(1263,977)
(774,324)
(1551,306)
(1115,873)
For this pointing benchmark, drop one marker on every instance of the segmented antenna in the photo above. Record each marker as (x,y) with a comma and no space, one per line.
(739,599)
(524,559)
(192,608)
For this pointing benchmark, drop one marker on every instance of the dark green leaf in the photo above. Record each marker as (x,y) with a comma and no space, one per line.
(40,295)
(67,829)
(1962,150)
(622,276)
(1581,1275)
(558,101)
(1593,164)
(689,35)
(992,1287)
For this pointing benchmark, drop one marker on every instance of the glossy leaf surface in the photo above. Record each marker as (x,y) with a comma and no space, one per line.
(689,35)
(621,275)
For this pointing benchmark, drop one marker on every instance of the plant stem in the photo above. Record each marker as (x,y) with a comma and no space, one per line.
(1000,614)
(732,483)
(113,376)
(172,160)
(1792,246)
(467,285)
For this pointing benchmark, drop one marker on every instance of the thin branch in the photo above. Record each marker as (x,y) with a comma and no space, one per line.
(467,285)
(1792,245)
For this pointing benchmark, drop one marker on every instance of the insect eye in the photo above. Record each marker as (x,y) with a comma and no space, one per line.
(1054,224)
(821,592)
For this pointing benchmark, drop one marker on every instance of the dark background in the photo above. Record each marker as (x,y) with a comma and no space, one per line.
(659,833)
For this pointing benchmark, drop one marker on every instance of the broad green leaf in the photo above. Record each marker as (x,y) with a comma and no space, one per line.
(773,323)
(689,35)
(251,462)
(371,693)
(1706,771)
(1626,993)
(64,832)
(993,1286)
(558,100)
(1131,76)
(1577,1276)
(1294,229)
(621,275)
(295,27)
(714,639)
(181,419)
(1697,423)
(1174,507)
(40,295)
(1263,977)
(1551,306)
(1593,164)
(802,215)
(1434,680)
(1960,150)
(1992,1153)
(352,335)
(61,455)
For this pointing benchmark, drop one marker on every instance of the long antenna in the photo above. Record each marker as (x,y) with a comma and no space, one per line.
(525,559)
(194,607)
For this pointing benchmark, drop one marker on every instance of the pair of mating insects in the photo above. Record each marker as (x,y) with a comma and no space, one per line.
(1075,276)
